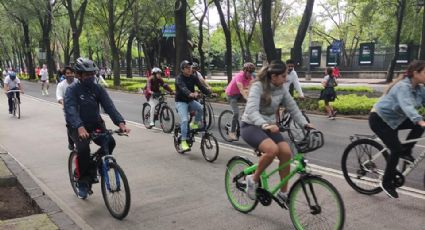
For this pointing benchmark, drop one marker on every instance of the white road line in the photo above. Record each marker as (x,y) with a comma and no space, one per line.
(417,193)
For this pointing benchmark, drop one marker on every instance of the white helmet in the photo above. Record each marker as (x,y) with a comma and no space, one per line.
(156,70)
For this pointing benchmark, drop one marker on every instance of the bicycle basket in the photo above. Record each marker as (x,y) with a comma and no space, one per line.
(313,140)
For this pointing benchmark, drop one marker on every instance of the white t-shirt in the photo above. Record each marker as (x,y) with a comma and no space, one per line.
(61,89)
(44,74)
(292,78)
(12,84)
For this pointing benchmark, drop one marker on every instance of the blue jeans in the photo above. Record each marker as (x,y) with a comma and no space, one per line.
(183,109)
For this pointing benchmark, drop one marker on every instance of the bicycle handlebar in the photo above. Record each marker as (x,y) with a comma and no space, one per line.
(14,91)
(97,134)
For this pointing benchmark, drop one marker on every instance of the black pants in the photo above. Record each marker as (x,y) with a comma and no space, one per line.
(83,150)
(69,134)
(10,96)
(390,138)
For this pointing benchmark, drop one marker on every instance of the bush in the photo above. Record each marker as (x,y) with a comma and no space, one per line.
(342,88)
(351,104)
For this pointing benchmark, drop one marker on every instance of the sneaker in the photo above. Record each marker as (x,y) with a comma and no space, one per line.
(184,146)
(390,191)
(251,187)
(331,117)
(334,113)
(194,125)
(232,136)
(47,92)
(42,92)
(82,190)
(151,125)
(283,199)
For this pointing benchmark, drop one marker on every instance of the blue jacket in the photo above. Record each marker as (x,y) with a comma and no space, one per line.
(82,106)
(400,103)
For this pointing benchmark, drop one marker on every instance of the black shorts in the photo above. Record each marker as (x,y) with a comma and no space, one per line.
(254,135)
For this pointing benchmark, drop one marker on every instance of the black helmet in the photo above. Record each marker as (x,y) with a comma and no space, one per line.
(85,65)
(184,64)
(12,75)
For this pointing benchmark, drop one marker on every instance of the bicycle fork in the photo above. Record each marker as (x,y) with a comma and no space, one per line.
(315,207)
(106,160)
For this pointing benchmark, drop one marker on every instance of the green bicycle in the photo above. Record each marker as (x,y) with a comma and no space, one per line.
(313,202)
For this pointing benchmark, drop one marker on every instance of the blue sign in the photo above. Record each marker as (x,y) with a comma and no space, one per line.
(169,31)
(336,46)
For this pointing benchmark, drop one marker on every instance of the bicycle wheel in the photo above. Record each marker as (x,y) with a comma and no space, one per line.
(209,147)
(116,191)
(362,172)
(146,114)
(315,203)
(73,171)
(225,124)
(297,131)
(166,118)
(17,108)
(176,139)
(235,185)
(209,116)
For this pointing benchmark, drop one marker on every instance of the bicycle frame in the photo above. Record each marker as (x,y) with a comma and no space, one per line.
(410,167)
(300,167)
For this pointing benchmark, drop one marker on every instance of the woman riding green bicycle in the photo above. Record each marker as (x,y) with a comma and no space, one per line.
(258,125)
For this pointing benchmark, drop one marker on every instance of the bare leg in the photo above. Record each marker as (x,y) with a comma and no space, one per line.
(269,150)
(284,156)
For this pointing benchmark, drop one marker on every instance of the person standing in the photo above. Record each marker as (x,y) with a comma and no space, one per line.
(44,78)
(292,80)
(60,95)
(328,94)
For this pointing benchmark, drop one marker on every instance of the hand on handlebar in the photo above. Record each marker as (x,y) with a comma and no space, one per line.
(124,128)
(193,95)
(309,126)
(82,133)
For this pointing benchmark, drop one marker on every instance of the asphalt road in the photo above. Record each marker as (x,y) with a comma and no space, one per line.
(173,191)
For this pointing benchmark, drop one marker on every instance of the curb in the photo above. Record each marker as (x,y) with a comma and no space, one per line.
(37,195)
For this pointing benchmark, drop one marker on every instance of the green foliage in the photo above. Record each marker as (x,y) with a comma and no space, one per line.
(366,89)
(351,104)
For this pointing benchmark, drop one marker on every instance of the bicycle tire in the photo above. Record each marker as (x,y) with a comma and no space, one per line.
(225,123)
(18,108)
(166,116)
(296,130)
(360,168)
(176,139)
(209,116)
(146,111)
(72,171)
(231,186)
(320,193)
(207,143)
(115,190)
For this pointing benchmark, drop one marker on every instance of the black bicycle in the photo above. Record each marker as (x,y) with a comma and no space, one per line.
(283,118)
(114,184)
(166,115)
(209,144)
(16,103)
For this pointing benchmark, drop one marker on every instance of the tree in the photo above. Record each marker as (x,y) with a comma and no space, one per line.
(182,52)
(76,20)
(422,50)
(401,5)
(296,53)
(227,34)
(266,28)
(117,15)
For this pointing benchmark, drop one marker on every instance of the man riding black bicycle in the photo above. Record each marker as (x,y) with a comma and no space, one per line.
(82,102)
(11,82)
(185,98)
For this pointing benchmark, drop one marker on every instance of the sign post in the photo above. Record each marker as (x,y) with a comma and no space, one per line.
(315,56)
(169,31)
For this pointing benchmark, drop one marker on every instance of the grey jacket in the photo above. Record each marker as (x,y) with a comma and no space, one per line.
(400,103)
(257,114)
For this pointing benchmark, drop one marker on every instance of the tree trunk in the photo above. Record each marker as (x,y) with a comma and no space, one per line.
(400,16)
(27,49)
(422,52)
(201,40)
(182,51)
(114,49)
(228,41)
(76,28)
(139,58)
(266,28)
(129,56)
(296,53)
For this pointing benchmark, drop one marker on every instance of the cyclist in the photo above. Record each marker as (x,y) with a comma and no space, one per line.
(195,69)
(258,124)
(81,102)
(237,89)
(292,80)
(12,82)
(153,91)
(60,94)
(185,98)
(44,78)
(396,110)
